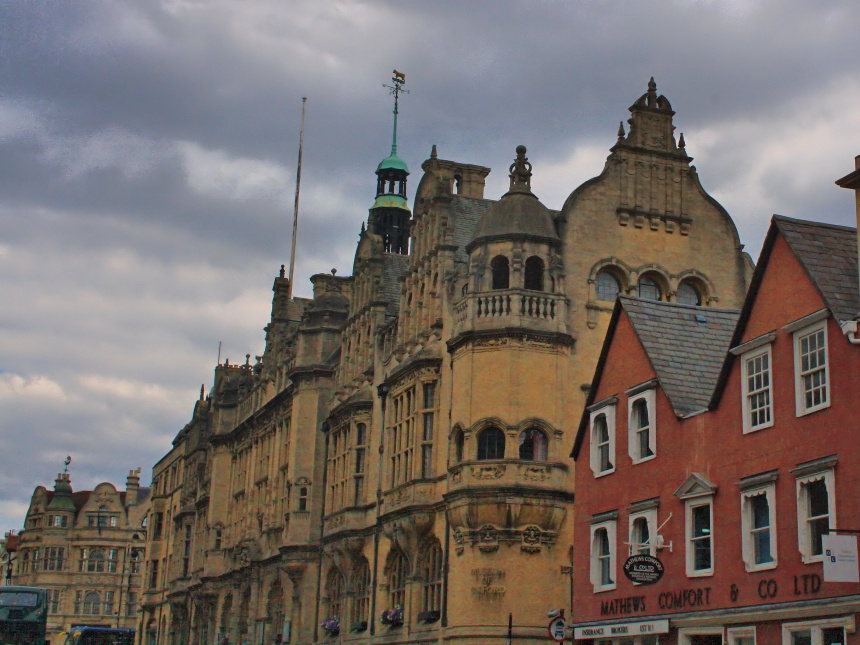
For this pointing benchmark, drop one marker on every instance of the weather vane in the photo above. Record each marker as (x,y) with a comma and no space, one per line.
(67,462)
(398,79)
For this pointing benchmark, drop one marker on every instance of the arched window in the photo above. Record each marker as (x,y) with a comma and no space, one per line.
(361,585)
(275,606)
(244,614)
(491,444)
(96,561)
(689,295)
(432,600)
(640,425)
(226,613)
(91,604)
(607,286)
(534,273)
(397,572)
(602,444)
(649,289)
(501,272)
(533,445)
(334,591)
(459,440)
(603,559)
(640,536)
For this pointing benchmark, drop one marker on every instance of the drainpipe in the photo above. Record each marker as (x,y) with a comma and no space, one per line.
(849,328)
(325,428)
(382,391)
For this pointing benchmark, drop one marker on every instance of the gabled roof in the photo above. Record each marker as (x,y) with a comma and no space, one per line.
(686,346)
(828,254)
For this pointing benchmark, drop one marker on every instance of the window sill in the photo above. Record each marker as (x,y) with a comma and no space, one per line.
(700,574)
(757,428)
(818,408)
(604,588)
(811,559)
(603,473)
(753,568)
(644,459)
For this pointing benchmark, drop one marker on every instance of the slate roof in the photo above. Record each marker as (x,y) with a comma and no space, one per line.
(394,267)
(828,253)
(686,346)
(465,214)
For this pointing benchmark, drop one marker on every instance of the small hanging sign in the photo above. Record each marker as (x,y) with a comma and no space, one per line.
(643,569)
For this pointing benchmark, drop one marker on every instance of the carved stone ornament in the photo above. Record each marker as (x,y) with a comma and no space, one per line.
(536,473)
(488,539)
(488,472)
(531,539)
(459,540)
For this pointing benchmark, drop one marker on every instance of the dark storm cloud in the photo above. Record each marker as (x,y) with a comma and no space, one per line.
(148,159)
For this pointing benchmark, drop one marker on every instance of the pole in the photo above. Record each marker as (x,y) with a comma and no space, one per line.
(296,207)
(510,628)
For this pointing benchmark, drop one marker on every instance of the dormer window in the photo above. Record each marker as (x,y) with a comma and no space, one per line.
(534,274)
(501,272)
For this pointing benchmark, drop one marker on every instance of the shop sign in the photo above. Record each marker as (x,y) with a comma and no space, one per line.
(643,569)
(623,629)
(840,558)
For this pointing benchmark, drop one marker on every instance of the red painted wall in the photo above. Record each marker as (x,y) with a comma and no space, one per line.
(714,445)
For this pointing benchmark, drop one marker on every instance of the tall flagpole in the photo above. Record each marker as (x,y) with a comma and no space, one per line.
(296,207)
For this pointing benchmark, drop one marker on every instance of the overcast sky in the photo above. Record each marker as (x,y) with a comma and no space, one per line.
(148,151)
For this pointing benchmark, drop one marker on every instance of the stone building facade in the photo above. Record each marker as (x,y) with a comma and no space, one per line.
(86,548)
(397,459)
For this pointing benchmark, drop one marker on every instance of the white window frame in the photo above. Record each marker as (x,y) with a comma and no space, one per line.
(611,535)
(650,517)
(746,393)
(734,634)
(650,398)
(608,411)
(690,504)
(816,628)
(799,391)
(803,537)
(747,537)
(685,634)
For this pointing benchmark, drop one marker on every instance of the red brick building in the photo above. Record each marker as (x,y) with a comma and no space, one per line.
(726,444)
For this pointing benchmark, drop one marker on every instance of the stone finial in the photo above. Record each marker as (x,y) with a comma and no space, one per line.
(247,359)
(281,274)
(521,172)
(433,152)
(201,392)
(681,143)
(621,132)
(652,93)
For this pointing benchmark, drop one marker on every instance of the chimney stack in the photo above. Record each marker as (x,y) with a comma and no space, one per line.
(132,485)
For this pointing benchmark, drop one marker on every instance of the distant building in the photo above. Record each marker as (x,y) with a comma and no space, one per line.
(86,548)
(730,453)
(395,466)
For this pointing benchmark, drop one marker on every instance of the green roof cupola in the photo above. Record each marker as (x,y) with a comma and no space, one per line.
(390,215)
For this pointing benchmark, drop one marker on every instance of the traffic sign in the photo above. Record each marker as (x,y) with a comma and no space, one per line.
(558,629)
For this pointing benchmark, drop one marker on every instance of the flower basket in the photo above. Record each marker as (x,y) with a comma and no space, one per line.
(331,626)
(429,616)
(392,617)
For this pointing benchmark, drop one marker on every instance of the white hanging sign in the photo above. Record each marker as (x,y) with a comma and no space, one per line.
(840,558)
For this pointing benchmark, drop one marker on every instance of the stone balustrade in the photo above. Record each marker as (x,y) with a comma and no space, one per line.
(538,310)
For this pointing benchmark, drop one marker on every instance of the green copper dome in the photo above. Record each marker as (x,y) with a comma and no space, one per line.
(391,201)
(393,163)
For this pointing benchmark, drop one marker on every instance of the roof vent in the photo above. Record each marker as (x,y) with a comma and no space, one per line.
(700,318)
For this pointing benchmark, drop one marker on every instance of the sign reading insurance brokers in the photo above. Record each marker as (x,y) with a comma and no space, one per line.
(644,569)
